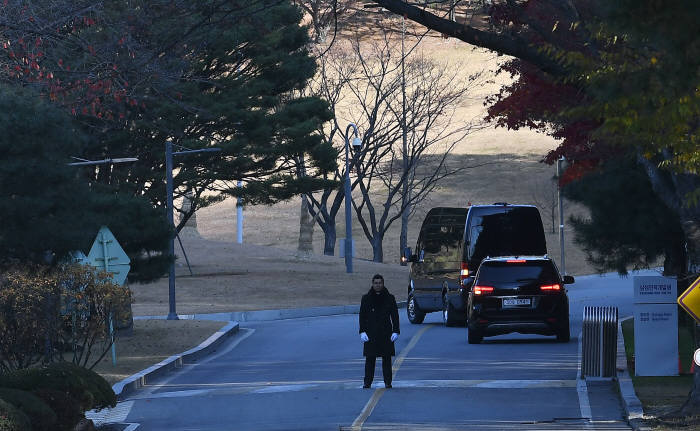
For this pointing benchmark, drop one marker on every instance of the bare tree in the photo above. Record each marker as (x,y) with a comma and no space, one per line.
(327,15)
(368,75)
(329,84)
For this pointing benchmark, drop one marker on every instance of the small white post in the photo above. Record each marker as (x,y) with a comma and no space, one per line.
(239,216)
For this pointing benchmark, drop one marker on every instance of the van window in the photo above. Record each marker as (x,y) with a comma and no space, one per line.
(443,241)
(506,231)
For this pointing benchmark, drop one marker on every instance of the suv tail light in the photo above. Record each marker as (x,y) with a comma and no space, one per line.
(463,273)
(483,290)
(550,288)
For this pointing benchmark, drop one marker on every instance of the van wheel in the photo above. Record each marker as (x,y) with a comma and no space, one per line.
(474,336)
(415,316)
(447,312)
(564,335)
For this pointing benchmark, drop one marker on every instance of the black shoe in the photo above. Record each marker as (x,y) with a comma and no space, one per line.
(388,386)
(366,386)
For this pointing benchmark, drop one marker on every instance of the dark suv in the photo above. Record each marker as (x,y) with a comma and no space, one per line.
(518,294)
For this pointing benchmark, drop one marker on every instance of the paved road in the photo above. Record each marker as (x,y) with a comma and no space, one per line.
(306,374)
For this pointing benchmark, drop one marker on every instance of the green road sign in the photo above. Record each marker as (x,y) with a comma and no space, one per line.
(107,254)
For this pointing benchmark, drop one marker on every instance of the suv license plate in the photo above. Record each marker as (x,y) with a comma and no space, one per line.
(516,301)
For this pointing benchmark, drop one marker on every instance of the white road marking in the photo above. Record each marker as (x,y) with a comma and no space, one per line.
(372,403)
(116,415)
(281,387)
(122,410)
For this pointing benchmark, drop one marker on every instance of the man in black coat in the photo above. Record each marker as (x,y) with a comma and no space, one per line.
(379,328)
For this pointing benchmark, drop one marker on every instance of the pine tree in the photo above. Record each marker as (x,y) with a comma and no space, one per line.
(47,209)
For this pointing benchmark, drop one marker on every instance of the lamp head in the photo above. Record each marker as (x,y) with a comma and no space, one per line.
(356,143)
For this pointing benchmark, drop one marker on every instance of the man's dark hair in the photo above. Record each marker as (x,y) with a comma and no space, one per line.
(378,277)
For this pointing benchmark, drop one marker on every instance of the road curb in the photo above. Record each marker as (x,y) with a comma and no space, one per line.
(208,346)
(633,407)
(268,315)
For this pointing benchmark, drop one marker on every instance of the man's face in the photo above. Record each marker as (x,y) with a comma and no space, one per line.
(377,285)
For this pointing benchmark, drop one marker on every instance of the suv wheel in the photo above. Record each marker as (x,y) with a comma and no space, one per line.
(564,335)
(415,316)
(474,336)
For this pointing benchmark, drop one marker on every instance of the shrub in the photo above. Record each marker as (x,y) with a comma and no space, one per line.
(26,297)
(12,419)
(89,299)
(45,310)
(102,394)
(39,413)
(67,409)
(88,388)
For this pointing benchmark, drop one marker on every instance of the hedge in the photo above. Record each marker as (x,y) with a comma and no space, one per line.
(12,418)
(67,409)
(41,416)
(88,388)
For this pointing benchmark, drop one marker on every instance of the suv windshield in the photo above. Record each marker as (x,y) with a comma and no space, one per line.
(504,272)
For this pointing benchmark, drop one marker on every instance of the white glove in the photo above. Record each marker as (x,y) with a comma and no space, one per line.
(394,336)
(364,337)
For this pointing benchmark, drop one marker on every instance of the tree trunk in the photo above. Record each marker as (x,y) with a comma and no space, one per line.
(553,216)
(377,249)
(329,237)
(306,230)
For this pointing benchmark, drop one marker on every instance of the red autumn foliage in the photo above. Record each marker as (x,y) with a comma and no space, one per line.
(536,99)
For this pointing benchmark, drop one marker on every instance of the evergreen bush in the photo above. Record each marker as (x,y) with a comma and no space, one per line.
(40,415)
(88,388)
(67,409)
(12,419)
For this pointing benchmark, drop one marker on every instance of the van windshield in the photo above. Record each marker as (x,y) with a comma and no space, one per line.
(505,231)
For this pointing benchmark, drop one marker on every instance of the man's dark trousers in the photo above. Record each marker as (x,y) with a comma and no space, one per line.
(370,362)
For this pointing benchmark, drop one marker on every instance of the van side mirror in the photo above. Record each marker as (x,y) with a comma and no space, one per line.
(568,279)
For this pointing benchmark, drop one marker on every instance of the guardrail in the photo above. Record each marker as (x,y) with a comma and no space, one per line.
(599,343)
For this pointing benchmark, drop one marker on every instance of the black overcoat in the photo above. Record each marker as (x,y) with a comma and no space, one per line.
(379,317)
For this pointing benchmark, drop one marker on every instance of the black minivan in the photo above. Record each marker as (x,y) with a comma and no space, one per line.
(452,243)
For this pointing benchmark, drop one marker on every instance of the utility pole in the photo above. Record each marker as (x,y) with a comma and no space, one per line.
(405,206)
(560,162)
(172,314)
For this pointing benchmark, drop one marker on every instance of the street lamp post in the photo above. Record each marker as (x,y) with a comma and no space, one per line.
(560,162)
(172,314)
(356,143)
(405,189)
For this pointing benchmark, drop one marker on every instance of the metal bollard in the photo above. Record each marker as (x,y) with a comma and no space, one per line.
(599,343)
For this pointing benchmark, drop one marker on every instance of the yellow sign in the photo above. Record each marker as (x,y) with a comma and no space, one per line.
(690,300)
